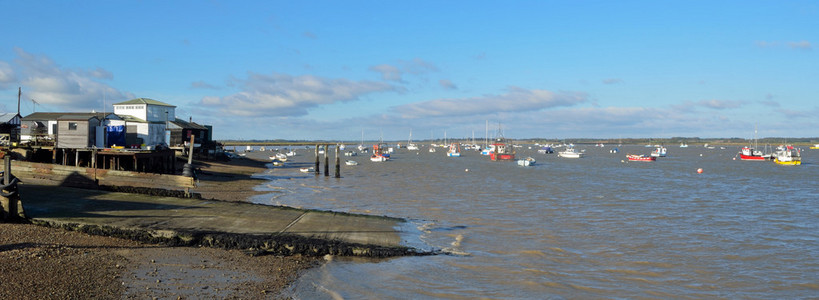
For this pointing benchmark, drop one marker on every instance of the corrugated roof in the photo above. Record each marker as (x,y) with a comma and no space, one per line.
(130,118)
(188,125)
(144,101)
(65,116)
(7,117)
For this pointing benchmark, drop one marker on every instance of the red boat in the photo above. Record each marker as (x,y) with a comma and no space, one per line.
(502,152)
(635,157)
(748,153)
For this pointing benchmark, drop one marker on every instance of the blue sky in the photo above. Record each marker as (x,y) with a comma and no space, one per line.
(332,69)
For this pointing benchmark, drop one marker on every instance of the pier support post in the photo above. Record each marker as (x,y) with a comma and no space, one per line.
(11,208)
(317,161)
(326,160)
(338,166)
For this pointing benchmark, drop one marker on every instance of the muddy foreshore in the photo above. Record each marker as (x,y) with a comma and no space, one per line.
(39,262)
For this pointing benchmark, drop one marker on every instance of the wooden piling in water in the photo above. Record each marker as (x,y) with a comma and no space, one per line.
(317,160)
(338,166)
(326,160)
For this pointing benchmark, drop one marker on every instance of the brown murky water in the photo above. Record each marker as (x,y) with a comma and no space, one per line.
(594,227)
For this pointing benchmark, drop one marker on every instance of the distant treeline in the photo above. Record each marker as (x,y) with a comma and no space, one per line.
(639,141)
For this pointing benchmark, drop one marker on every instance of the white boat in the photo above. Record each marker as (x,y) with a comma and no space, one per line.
(454,150)
(788,155)
(306,170)
(683,145)
(278,156)
(290,153)
(570,152)
(351,163)
(529,161)
(660,151)
(614,150)
(350,153)
(410,145)
(431,149)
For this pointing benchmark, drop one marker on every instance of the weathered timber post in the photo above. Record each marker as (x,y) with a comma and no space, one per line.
(317,161)
(12,209)
(338,166)
(326,160)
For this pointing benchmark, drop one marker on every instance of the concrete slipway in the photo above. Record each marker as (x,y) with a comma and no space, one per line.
(184,221)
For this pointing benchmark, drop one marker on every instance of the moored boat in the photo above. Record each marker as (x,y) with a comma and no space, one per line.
(660,151)
(529,161)
(454,150)
(643,157)
(570,152)
(378,154)
(788,155)
(748,153)
(351,163)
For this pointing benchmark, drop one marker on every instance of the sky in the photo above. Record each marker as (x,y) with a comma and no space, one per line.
(340,70)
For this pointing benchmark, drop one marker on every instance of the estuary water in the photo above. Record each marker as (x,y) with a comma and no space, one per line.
(594,227)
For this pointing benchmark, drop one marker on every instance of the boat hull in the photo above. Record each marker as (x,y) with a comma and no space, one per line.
(641,158)
(495,156)
(753,157)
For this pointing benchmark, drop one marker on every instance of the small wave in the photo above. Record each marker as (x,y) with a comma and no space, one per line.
(634,272)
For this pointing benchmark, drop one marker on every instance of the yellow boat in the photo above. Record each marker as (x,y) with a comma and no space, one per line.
(788,163)
(815,147)
(788,155)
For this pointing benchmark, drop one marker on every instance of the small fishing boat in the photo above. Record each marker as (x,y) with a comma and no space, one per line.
(570,152)
(431,149)
(748,153)
(529,161)
(351,163)
(378,154)
(350,153)
(614,150)
(277,163)
(788,155)
(290,153)
(545,150)
(454,150)
(660,151)
(635,157)
(306,170)
(816,146)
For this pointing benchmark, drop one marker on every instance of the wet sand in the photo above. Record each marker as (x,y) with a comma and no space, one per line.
(50,263)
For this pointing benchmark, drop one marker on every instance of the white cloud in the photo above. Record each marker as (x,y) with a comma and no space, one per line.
(447,84)
(720,104)
(388,72)
(60,88)
(800,45)
(7,75)
(515,100)
(203,85)
(286,95)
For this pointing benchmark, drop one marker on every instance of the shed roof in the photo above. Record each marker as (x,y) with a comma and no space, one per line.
(41,116)
(187,125)
(7,117)
(145,101)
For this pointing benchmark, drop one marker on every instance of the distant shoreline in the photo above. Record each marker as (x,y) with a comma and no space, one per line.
(808,141)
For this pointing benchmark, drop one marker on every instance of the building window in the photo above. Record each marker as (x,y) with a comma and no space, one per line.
(72,125)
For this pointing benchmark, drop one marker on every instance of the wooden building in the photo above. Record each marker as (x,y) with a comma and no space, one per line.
(9,129)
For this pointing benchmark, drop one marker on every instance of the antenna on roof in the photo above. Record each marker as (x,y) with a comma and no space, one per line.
(19,93)
(34,103)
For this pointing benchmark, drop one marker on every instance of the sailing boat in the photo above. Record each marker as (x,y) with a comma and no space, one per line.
(486,147)
(361,146)
(410,145)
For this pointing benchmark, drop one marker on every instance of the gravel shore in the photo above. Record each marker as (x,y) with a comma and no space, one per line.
(49,263)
